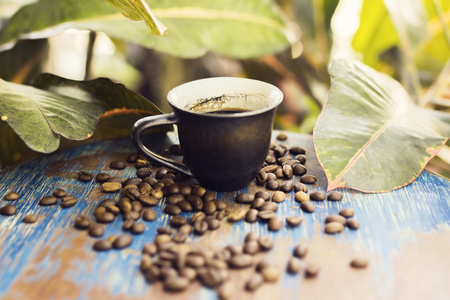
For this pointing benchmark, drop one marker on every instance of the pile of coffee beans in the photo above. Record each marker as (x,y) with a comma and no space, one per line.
(171,258)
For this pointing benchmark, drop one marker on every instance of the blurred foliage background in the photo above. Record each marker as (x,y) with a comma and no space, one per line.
(407,39)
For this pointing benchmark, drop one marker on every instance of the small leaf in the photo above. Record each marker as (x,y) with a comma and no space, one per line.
(139,10)
(370,135)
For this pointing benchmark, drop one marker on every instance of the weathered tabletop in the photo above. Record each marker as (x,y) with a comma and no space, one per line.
(404,233)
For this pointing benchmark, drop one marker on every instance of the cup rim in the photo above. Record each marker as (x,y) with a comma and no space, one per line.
(278,95)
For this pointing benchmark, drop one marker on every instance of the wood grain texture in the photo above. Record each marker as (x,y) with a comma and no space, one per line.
(404,233)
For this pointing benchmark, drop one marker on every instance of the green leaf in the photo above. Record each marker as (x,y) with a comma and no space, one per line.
(138,10)
(234,28)
(370,135)
(57,107)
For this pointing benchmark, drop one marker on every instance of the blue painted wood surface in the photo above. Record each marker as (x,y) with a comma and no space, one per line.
(404,233)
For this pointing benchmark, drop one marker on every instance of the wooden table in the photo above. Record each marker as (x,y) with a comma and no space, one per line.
(405,235)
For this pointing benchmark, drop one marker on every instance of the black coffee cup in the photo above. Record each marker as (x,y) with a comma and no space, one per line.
(224,127)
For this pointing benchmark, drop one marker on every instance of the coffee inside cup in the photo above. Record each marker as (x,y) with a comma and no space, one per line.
(228,103)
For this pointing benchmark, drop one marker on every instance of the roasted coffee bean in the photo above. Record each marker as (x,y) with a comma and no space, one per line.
(11,196)
(272,185)
(127,224)
(265,243)
(317,196)
(311,271)
(68,201)
(180,237)
(197,217)
(146,262)
(282,136)
(149,214)
(335,218)
(210,277)
(288,172)
(185,206)
(237,215)
(143,172)
(251,247)
(334,196)
(131,192)
(271,176)
(132,157)
(307,207)
(333,227)
(196,202)
(235,249)
(111,187)
(226,290)
(352,223)
(82,222)
(96,230)
(213,224)
(172,209)
(222,214)
(195,260)
(138,228)
(262,177)
(263,194)
(150,180)
(124,205)
(279,151)
(275,223)
(198,191)
(287,186)
(309,179)
(279,172)
(169,175)
(152,274)
(131,215)
(251,236)
(145,188)
(271,206)
(347,212)
(150,248)
(158,194)
(133,181)
(136,206)
(177,221)
(30,219)
(175,198)
(240,261)
(105,217)
(106,202)
(297,150)
(283,159)
(257,203)
(252,215)
(301,197)
(278,196)
(161,172)
(102,177)
(200,226)
(175,284)
(266,215)
(186,228)
(271,273)
(270,159)
(359,263)
(301,158)
(59,193)
(294,265)
(117,165)
(141,163)
(300,250)
(255,281)
(112,238)
(48,201)
(220,204)
(173,189)
(123,241)
(300,187)
(163,235)
(148,200)
(113,209)
(189,273)
(102,245)
(209,208)
(269,169)
(185,189)
(299,170)
(294,220)
(244,198)
(85,176)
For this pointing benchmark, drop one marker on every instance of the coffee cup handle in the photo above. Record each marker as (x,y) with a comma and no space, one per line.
(152,121)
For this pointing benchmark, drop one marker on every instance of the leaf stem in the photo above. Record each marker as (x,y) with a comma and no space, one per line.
(438,9)
(89,55)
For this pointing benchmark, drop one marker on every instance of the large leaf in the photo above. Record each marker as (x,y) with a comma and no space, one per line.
(139,10)
(234,28)
(370,135)
(60,107)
